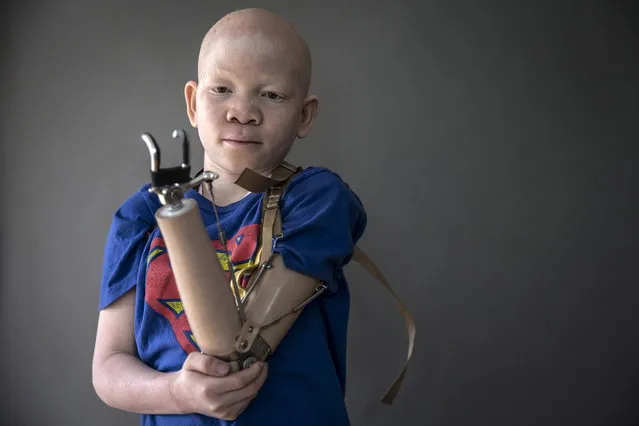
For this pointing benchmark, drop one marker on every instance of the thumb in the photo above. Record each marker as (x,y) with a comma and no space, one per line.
(206,364)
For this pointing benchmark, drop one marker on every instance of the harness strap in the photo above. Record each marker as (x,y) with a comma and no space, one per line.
(362,258)
(255,182)
(274,187)
(272,227)
(271,222)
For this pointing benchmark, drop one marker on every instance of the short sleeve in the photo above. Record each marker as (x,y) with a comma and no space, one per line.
(125,242)
(322,220)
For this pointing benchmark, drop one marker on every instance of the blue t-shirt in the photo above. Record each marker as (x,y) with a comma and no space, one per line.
(322,220)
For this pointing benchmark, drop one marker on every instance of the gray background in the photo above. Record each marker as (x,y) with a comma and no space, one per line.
(491,142)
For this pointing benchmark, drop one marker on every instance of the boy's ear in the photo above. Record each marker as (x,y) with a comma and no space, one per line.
(310,109)
(190,94)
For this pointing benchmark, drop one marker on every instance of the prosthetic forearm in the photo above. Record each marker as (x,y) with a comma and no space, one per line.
(237,329)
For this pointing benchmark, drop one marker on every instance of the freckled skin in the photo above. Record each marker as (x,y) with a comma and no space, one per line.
(254,73)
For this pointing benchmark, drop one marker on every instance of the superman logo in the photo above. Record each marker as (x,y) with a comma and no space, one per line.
(161,290)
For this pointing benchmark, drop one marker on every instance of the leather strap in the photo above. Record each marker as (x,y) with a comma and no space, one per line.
(272,227)
(362,258)
(255,182)
(272,219)
(274,187)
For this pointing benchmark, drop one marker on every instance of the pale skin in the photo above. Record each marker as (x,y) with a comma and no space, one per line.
(249,105)
(254,73)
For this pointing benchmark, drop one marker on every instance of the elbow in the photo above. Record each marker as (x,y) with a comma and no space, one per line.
(98,382)
(101,385)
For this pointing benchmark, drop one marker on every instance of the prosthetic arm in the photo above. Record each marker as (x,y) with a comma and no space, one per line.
(238,327)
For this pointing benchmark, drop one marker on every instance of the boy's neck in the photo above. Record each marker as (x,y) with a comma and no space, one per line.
(225,190)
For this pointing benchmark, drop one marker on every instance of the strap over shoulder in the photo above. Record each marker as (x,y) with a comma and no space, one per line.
(255,182)
(272,227)
(274,185)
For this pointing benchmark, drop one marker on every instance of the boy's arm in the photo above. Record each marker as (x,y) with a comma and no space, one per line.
(202,386)
(120,379)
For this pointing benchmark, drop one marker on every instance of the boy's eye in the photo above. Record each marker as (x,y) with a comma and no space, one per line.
(273,96)
(220,89)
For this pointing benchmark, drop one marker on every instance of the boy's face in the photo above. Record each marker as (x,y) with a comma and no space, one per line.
(250,103)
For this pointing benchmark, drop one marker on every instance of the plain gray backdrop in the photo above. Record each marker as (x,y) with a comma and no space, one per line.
(492,144)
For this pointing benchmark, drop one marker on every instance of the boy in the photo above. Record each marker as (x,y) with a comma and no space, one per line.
(249,104)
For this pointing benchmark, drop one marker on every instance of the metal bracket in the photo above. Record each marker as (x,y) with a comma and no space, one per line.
(171,183)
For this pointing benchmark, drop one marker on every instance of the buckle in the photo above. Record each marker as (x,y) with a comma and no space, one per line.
(273,198)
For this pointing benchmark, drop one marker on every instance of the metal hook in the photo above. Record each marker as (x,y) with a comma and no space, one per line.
(171,183)
(153,150)
(185,145)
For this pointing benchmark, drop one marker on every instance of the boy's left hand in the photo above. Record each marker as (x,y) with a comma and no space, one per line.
(204,386)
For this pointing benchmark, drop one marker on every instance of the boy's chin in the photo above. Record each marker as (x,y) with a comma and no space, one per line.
(235,166)
(234,163)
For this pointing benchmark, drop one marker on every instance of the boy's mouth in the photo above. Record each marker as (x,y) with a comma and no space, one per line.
(240,142)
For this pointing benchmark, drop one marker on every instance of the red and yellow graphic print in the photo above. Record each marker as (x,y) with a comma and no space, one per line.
(161,292)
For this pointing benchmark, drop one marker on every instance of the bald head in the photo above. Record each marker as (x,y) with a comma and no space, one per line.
(264,32)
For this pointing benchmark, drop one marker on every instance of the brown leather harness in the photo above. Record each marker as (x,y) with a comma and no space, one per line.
(271,227)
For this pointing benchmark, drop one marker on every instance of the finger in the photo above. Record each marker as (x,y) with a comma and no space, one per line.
(235,402)
(206,364)
(237,380)
(233,412)
(246,392)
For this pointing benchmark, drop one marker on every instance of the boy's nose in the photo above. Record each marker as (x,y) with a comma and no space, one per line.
(243,112)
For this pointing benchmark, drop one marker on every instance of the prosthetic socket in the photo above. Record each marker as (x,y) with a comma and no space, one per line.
(240,326)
